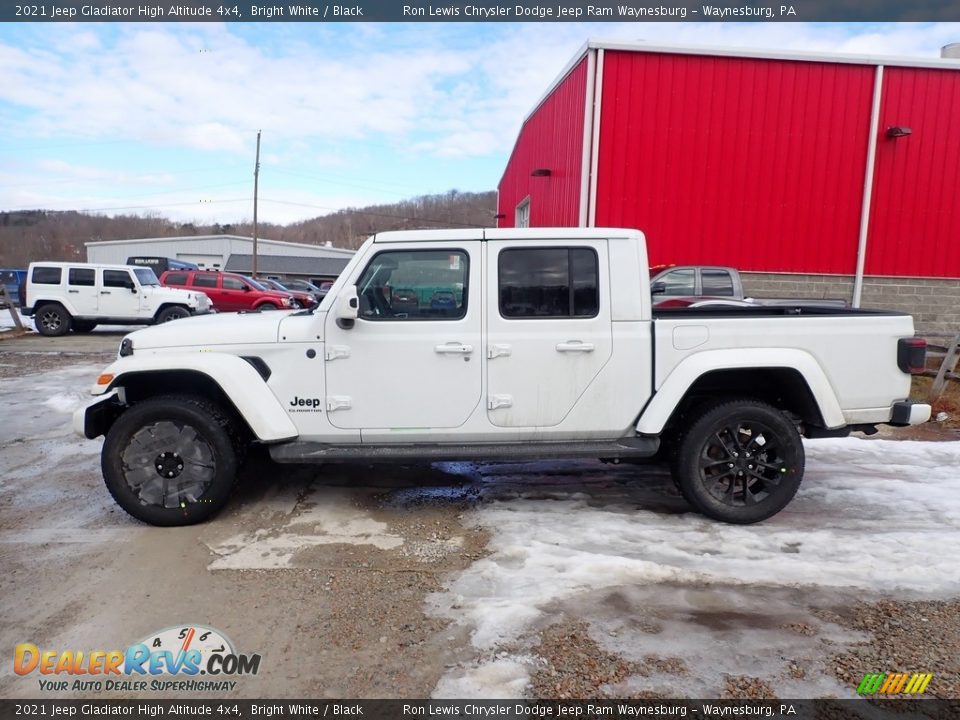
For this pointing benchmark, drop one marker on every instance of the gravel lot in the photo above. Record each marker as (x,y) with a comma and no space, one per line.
(389,581)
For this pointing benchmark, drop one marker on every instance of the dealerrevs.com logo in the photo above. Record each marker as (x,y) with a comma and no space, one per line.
(173,659)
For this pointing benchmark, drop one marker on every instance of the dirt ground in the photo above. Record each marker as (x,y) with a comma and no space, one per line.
(330,575)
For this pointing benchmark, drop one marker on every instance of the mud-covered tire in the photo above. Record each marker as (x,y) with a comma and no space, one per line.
(172,460)
(82,326)
(52,320)
(174,312)
(740,461)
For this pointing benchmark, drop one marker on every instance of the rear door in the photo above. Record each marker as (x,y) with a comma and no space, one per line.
(82,291)
(549,331)
(207,283)
(118,294)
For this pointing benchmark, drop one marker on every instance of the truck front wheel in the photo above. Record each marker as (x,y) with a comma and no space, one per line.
(171,460)
(741,461)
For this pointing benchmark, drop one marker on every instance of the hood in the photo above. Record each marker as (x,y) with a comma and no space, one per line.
(211,330)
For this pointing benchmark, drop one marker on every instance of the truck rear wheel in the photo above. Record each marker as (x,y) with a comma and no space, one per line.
(171,460)
(741,461)
(52,320)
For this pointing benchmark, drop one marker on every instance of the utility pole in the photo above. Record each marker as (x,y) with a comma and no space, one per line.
(256,182)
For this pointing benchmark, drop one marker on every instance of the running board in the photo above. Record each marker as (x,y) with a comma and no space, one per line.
(314,452)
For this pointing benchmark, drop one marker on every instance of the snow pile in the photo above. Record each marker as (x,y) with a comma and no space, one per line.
(872,516)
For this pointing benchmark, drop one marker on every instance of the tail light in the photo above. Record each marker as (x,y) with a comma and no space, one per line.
(912,355)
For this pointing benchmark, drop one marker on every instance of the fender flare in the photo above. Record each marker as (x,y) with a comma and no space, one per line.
(669,395)
(238,380)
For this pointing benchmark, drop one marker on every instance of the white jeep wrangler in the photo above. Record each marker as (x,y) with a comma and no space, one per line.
(79,296)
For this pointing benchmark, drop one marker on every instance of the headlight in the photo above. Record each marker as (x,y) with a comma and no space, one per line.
(126,347)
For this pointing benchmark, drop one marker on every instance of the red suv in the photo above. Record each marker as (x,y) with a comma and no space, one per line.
(227,292)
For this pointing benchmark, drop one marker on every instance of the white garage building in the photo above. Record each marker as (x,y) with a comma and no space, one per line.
(213,252)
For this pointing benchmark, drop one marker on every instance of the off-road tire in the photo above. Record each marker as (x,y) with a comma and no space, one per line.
(52,320)
(727,473)
(125,459)
(174,312)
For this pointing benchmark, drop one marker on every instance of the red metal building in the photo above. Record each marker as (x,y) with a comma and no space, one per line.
(770,162)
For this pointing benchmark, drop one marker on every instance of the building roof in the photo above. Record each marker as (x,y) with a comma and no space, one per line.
(196,238)
(287,264)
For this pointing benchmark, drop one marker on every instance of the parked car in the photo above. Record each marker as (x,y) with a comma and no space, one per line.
(228,292)
(305,286)
(405,300)
(443,300)
(300,299)
(715,281)
(79,296)
(12,280)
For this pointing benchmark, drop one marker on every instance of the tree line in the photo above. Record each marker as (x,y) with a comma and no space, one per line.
(29,235)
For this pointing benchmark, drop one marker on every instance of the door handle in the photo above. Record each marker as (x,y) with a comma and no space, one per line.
(574,346)
(73,291)
(454,348)
(104,292)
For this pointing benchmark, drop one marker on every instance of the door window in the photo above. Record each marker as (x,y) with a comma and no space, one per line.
(679,282)
(176,279)
(716,282)
(117,279)
(84,277)
(548,283)
(230,283)
(209,281)
(415,285)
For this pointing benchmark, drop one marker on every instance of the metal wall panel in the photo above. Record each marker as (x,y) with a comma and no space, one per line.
(915,218)
(551,138)
(748,162)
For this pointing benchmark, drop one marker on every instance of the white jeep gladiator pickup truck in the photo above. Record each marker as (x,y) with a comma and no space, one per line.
(498,344)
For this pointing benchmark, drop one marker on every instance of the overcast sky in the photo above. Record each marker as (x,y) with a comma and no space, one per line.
(162,118)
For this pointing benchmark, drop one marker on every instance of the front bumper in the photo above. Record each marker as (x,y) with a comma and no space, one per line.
(93,418)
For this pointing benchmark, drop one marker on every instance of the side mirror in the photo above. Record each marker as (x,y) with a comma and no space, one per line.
(246,288)
(348,307)
(658,288)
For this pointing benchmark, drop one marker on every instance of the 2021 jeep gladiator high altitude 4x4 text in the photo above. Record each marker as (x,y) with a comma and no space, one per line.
(545,346)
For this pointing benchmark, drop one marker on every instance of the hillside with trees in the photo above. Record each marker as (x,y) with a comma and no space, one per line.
(28,235)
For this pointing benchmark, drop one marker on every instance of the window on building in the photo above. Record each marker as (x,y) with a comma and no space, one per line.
(415,285)
(716,282)
(523,214)
(548,282)
(205,280)
(117,279)
(47,275)
(83,277)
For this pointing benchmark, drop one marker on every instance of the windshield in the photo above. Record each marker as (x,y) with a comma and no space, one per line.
(258,285)
(146,276)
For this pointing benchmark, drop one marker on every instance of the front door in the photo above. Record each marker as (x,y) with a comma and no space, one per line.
(411,363)
(118,295)
(549,331)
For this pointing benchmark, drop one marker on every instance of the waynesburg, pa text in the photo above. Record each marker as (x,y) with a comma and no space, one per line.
(624,11)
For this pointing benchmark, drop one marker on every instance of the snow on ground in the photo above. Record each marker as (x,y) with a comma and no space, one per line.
(873,516)
(7,323)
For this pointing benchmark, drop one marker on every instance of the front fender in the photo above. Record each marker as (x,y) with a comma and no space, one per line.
(684,375)
(238,380)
